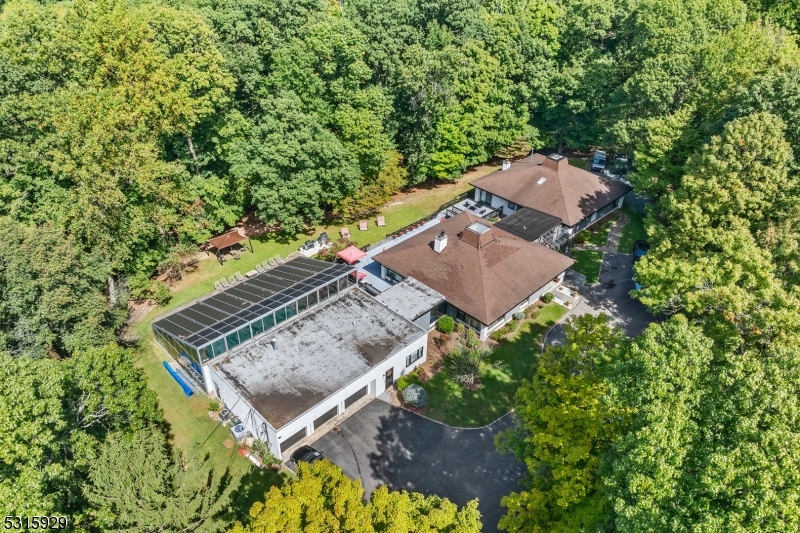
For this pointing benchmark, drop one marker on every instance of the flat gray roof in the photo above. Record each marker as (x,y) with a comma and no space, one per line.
(410,298)
(315,355)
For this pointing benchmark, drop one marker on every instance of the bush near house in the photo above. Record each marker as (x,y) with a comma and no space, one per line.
(547,297)
(407,380)
(445,324)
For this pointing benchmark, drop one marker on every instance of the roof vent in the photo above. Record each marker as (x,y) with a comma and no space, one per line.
(540,162)
(506,164)
(274,342)
(541,180)
(440,242)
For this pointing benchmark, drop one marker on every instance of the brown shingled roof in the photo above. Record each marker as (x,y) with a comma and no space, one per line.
(484,277)
(568,192)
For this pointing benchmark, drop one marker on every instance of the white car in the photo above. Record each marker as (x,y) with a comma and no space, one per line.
(599,162)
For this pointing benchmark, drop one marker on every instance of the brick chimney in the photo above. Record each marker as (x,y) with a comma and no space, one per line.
(556,162)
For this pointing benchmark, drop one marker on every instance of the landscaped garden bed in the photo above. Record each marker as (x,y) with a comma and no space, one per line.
(501,372)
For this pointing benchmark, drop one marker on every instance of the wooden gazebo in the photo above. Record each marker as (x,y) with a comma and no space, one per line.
(226,240)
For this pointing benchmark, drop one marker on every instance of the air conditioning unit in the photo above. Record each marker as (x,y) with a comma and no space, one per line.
(225,415)
(239,432)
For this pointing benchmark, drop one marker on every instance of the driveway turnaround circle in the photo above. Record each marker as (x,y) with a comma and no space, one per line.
(386,445)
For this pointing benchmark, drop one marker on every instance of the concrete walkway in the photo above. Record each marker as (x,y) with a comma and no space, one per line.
(612,241)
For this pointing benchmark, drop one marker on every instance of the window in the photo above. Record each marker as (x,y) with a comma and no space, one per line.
(442,308)
(593,217)
(312,299)
(232,340)
(391,275)
(474,323)
(302,304)
(244,334)
(280,315)
(413,357)
(342,283)
(257,327)
(291,310)
(269,322)
(512,206)
(485,197)
(323,293)
(218,346)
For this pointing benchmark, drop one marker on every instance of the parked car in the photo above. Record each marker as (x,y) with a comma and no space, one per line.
(640,248)
(306,454)
(599,161)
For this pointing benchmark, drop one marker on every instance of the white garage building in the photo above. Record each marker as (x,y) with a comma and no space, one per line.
(284,385)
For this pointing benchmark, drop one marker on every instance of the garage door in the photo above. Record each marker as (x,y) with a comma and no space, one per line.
(353,398)
(325,417)
(294,439)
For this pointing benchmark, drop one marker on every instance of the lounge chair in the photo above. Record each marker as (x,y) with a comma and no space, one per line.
(224,283)
(381,221)
(362,225)
(279,260)
(232,280)
(272,263)
(239,276)
(236,255)
(345,233)
(218,285)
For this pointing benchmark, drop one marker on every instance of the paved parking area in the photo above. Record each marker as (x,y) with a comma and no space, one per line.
(610,296)
(386,445)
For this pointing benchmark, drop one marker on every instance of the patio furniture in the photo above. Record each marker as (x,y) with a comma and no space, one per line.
(362,225)
(232,280)
(217,285)
(323,238)
(381,221)
(224,282)
(252,273)
(279,260)
(239,276)
(345,233)
(236,255)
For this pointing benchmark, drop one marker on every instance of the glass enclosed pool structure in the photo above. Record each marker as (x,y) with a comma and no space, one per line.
(216,324)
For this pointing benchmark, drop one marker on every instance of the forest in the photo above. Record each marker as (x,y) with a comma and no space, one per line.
(133,130)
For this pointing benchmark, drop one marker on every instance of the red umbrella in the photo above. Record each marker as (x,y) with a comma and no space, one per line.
(351,254)
(361,275)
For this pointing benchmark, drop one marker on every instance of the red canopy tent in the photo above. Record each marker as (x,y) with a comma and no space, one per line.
(361,275)
(351,254)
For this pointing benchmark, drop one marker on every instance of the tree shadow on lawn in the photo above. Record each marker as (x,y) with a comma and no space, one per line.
(455,405)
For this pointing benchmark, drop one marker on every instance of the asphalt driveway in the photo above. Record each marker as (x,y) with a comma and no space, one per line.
(386,445)
(610,295)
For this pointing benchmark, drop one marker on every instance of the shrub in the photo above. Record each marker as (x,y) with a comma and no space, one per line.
(460,328)
(213,405)
(407,380)
(446,324)
(580,238)
(547,297)
(463,365)
(160,293)
(532,312)
(498,335)
(519,316)
(470,340)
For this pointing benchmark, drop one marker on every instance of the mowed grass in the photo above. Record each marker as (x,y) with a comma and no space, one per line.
(632,231)
(192,430)
(597,235)
(458,406)
(588,262)
(579,162)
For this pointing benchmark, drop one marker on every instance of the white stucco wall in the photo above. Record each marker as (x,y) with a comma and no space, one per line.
(254,422)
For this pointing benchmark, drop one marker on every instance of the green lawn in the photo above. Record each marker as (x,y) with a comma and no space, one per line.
(198,436)
(579,162)
(599,237)
(458,406)
(191,428)
(588,262)
(632,231)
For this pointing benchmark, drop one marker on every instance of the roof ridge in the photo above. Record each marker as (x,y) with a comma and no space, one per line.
(563,197)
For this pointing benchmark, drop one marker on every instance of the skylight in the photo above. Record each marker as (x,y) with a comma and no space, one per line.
(477,227)
(541,180)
